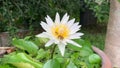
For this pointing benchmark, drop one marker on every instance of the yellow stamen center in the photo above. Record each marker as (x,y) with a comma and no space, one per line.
(60,31)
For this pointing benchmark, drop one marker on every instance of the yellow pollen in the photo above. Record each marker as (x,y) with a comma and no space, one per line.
(60,31)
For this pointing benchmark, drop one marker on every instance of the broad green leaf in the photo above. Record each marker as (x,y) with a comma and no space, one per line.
(40,41)
(83,43)
(94,58)
(71,65)
(83,65)
(37,41)
(53,63)
(63,61)
(85,51)
(75,48)
(22,59)
(79,41)
(29,46)
(6,66)
(23,65)
(27,38)
(43,40)
(74,57)
(42,54)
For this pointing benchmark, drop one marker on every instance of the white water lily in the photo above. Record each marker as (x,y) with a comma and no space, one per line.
(60,32)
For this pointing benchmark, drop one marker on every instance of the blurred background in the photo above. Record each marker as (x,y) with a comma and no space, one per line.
(19,18)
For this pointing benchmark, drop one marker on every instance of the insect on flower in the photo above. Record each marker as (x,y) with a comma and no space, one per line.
(60,32)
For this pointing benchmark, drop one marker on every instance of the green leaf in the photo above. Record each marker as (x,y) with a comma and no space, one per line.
(85,51)
(6,66)
(42,54)
(83,65)
(60,59)
(29,46)
(40,41)
(20,60)
(23,65)
(75,55)
(43,40)
(83,43)
(71,46)
(53,63)
(94,58)
(71,65)
(64,62)
(27,38)
(75,48)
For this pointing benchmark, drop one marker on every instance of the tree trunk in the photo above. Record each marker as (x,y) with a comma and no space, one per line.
(112,45)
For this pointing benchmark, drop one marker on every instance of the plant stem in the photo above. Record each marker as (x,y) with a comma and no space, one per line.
(52,52)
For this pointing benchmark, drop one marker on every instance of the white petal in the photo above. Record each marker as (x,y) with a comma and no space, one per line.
(74,25)
(74,43)
(75,36)
(50,42)
(43,34)
(74,29)
(45,26)
(64,42)
(49,20)
(57,18)
(61,48)
(65,18)
(70,23)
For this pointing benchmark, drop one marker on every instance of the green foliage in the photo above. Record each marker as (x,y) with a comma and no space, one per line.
(6,66)
(53,63)
(21,60)
(27,14)
(42,54)
(40,41)
(83,55)
(39,57)
(29,46)
(100,8)
(71,65)
(94,58)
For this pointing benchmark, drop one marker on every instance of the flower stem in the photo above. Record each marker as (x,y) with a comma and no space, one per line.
(52,52)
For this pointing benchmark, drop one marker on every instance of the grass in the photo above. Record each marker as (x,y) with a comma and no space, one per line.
(96,35)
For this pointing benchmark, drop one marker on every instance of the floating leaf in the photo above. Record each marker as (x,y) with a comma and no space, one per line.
(42,54)
(85,51)
(23,65)
(29,46)
(71,65)
(94,58)
(6,66)
(53,63)
(79,41)
(64,62)
(20,60)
